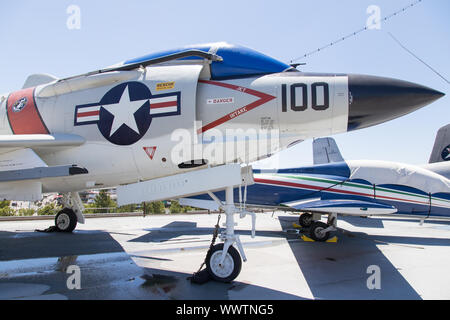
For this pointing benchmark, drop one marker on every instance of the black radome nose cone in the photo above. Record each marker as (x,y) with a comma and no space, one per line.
(374,100)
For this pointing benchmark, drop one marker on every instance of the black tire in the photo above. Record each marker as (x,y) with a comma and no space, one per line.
(305,220)
(315,233)
(66,220)
(232,254)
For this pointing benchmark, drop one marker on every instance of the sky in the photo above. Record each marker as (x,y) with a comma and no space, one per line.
(36,39)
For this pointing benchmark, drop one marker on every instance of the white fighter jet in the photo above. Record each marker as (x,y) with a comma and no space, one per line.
(161,126)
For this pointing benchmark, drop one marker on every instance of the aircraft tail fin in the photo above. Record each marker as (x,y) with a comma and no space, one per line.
(325,150)
(441,149)
(38,79)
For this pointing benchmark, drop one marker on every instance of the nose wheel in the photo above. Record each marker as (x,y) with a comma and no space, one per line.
(305,220)
(227,270)
(66,220)
(318,231)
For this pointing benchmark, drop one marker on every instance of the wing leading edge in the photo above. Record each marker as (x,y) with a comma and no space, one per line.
(22,172)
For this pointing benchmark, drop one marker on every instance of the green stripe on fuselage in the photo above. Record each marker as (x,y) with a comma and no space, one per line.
(351,184)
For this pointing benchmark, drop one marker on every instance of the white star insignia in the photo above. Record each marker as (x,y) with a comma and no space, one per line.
(123,112)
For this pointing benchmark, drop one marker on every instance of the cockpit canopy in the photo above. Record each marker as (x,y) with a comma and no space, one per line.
(237,61)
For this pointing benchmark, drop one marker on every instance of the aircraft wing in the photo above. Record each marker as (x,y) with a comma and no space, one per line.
(345,207)
(18,141)
(198,203)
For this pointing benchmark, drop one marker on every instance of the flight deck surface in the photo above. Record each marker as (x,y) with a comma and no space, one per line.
(152,257)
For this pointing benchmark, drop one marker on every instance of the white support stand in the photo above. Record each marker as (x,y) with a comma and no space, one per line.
(184,184)
(196,182)
(332,223)
(73,201)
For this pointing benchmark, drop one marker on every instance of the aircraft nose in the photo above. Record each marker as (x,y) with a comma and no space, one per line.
(374,100)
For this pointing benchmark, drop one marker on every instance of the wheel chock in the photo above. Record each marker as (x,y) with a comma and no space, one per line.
(333,240)
(308,239)
(296,226)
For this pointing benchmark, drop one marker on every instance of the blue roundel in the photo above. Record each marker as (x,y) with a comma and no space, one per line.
(446,153)
(124,116)
(124,113)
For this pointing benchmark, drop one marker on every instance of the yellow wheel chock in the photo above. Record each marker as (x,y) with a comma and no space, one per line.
(308,239)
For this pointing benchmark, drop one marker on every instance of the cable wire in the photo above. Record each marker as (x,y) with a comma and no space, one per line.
(356,32)
(415,56)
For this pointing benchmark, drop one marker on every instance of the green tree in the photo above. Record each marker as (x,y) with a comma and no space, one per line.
(156,207)
(6,212)
(26,212)
(4,204)
(87,206)
(175,207)
(48,210)
(103,200)
(127,208)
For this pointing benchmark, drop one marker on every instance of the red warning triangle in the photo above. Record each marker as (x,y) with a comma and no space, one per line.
(150,151)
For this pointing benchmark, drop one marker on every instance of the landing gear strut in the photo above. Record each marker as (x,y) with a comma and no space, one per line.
(223,261)
(320,231)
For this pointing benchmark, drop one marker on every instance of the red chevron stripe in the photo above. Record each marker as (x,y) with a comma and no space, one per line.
(263,98)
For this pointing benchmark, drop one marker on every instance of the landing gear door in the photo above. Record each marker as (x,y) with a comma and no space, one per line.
(170,136)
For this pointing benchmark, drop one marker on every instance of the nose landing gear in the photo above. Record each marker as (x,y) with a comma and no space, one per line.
(223,261)
(320,231)
(66,220)
(305,220)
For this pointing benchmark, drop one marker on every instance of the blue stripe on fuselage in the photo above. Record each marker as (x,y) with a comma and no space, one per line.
(261,194)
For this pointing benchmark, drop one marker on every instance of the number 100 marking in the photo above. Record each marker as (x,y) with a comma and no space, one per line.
(320,96)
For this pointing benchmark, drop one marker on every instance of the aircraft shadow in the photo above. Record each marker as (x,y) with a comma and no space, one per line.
(31,245)
(107,271)
(363,222)
(188,228)
(339,270)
